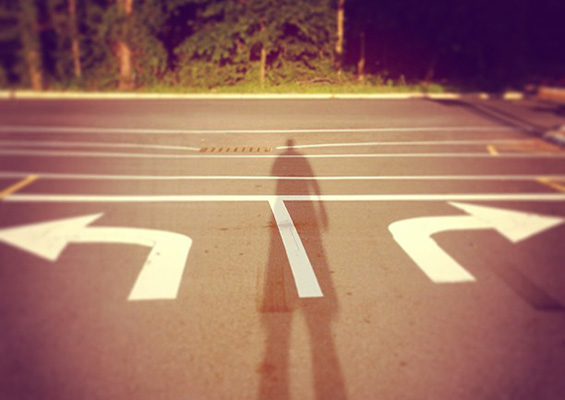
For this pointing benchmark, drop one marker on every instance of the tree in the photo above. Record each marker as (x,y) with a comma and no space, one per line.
(20,32)
(238,39)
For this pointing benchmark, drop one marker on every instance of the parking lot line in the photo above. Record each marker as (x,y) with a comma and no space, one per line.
(17,186)
(492,150)
(112,177)
(58,153)
(477,142)
(109,130)
(85,198)
(554,185)
(39,143)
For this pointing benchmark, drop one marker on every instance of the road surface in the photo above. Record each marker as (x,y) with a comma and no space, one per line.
(281,249)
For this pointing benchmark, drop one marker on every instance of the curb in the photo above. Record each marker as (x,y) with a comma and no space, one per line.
(556,135)
(249,96)
(552,94)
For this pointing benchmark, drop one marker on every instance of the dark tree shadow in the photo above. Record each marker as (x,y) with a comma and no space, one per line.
(280,302)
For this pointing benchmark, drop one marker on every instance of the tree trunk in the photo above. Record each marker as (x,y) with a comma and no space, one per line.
(263,61)
(124,51)
(75,44)
(34,66)
(361,63)
(340,33)
(263,69)
(31,46)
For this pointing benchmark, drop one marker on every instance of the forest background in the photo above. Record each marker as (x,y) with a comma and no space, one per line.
(281,45)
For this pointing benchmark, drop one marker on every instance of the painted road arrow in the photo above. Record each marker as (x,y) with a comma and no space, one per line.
(161,274)
(414,236)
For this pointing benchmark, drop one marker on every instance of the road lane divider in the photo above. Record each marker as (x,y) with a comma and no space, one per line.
(17,186)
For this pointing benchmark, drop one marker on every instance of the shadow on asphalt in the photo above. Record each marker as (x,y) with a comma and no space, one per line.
(496,115)
(280,303)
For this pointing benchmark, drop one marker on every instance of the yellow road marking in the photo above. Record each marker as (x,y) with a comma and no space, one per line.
(551,184)
(492,150)
(17,186)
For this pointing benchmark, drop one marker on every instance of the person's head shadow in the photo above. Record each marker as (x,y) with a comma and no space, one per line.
(294,176)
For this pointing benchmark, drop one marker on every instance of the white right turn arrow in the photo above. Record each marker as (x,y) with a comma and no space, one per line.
(414,236)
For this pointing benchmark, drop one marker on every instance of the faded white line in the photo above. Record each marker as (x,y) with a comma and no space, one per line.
(105,177)
(57,153)
(304,277)
(85,198)
(107,130)
(411,143)
(35,143)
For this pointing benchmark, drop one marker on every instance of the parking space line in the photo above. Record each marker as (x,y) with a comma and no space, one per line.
(35,143)
(492,150)
(112,177)
(413,143)
(109,130)
(17,186)
(554,185)
(86,198)
(55,153)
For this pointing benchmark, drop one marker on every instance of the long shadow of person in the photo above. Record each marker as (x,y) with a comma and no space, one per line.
(280,298)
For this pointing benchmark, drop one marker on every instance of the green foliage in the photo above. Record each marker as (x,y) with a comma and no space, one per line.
(229,36)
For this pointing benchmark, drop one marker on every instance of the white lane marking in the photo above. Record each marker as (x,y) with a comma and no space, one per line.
(35,143)
(106,130)
(86,198)
(304,277)
(54,153)
(410,143)
(161,274)
(414,236)
(112,177)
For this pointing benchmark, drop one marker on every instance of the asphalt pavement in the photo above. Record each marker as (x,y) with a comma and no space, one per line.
(281,249)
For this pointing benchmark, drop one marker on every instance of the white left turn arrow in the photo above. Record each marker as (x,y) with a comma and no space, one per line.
(414,236)
(161,274)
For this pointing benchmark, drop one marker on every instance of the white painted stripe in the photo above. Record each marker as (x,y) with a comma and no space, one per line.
(302,270)
(86,198)
(412,143)
(35,143)
(103,177)
(107,130)
(93,154)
